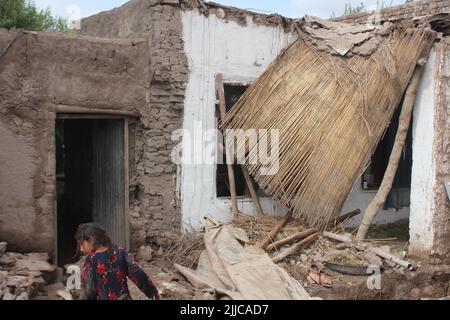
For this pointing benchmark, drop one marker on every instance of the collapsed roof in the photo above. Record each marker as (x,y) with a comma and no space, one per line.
(331,95)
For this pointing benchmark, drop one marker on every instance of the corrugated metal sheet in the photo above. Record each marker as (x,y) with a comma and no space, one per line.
(108,178)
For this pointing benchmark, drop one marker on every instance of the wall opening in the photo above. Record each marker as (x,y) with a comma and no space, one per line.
(233,92)
(91,173)
(399,196)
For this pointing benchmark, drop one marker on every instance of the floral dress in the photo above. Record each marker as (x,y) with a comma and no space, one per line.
(105,276)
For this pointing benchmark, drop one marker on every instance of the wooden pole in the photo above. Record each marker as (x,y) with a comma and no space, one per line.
(230,157)
(294,248)
(347,216)
(363,246)
(275,230)
(400,138)
(252,189)
(297,236)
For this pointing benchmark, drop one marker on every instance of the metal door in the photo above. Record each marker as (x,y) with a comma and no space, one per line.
(109,178)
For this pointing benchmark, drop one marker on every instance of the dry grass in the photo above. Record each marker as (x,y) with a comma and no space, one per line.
(258,227)
(185,251)
(331,113)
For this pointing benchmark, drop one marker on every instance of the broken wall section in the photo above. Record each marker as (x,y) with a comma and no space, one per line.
(442,153)
(401,12)
(429,219)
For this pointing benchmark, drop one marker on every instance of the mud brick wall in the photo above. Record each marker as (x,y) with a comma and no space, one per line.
(400,12)
(442,152)
(156,214)
(38,72)
(168,77)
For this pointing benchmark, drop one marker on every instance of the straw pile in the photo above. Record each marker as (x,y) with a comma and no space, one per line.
(258,227)
(185,251)
(331,112)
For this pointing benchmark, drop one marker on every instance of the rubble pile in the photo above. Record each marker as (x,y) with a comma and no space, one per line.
(334,265)
(29,276)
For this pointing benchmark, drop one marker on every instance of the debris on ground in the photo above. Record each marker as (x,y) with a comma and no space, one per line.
(144,253)
(230,267)
(327,268)
(26,276)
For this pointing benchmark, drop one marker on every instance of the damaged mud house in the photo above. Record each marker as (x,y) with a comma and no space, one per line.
(87,122)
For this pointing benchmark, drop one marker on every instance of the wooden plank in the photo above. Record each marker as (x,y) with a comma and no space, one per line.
(77,110)
(275,231)
(346,217)
(297,236)
(294,248)
(252,189)
(230,157)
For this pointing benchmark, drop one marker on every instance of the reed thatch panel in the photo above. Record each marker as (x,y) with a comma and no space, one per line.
(331,112)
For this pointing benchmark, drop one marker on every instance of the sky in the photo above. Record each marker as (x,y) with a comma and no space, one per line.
(289,8)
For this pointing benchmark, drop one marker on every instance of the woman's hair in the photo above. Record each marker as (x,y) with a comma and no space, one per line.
(94,232)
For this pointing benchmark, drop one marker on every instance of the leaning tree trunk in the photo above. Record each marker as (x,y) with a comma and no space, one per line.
(400,138)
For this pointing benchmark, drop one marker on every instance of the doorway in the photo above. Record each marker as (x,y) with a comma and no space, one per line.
(91,176)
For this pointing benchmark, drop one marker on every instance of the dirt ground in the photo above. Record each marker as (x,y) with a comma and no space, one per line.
(427,282)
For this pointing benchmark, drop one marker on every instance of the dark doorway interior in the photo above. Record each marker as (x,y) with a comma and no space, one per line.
(90,180)
(233,93)
(74,182)
(371,180)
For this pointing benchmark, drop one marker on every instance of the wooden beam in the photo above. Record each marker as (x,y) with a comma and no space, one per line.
(252,189)
(230,157)
(275,231)
(400,139)
(347,216)
(294,248)
(84,110)
(290,239)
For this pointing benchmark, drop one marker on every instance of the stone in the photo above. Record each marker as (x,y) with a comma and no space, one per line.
(18,291)
(434,291)
(6,260)
(38,256)
(38,283)
(18,281)
(304,258)
(27,273)
(144,253)
(23,296)
(54,287)
(220,13)
(3,275)
(3,247)
(8,296)
(415,294)
(35,265)
(65,294)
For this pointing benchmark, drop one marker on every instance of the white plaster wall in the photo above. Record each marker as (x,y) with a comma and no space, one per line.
(241,54)
(360,199)
(423,170)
